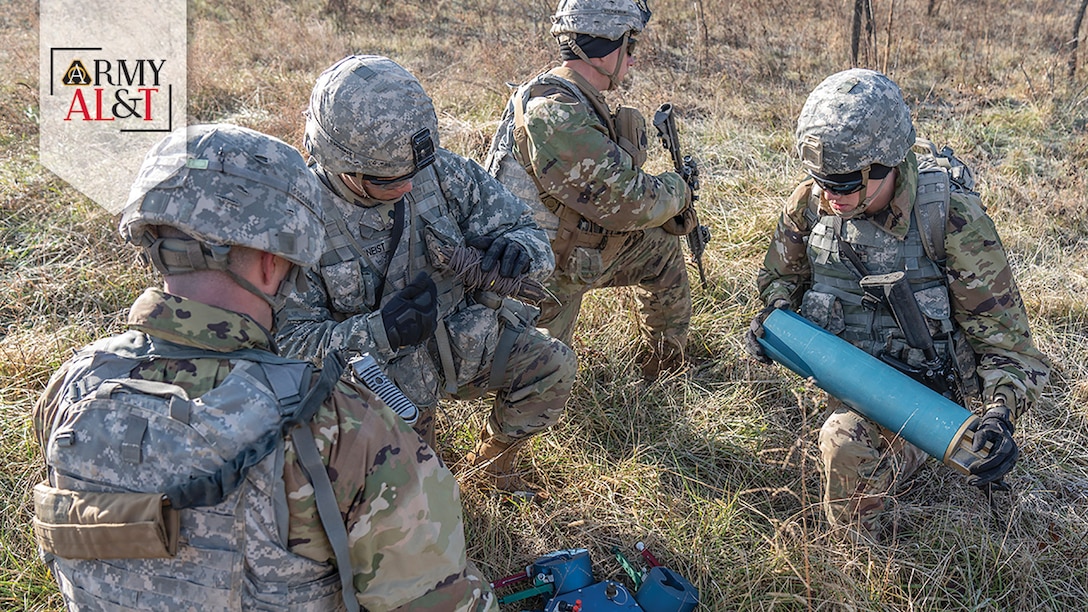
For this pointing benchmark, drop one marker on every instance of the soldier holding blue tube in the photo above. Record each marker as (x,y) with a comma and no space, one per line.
(872,206)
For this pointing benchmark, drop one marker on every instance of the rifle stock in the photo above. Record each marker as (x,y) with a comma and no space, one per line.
(688,169)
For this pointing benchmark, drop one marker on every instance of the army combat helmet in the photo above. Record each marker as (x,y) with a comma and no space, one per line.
(580,23)
(854,125)
(223,186)
(370,118)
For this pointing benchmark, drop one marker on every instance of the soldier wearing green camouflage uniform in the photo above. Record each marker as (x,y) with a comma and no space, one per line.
(865,196)
(611,224)
(190,466)
(396,205)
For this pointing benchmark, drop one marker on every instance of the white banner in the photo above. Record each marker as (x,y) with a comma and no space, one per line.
(113,83)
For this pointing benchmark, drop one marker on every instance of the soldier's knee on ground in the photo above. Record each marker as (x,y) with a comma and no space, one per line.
(847,439)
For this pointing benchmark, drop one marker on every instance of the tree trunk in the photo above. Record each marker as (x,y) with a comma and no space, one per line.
(855,32)
(1075,40)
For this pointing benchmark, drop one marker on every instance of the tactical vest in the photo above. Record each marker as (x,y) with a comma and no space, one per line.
(468,335)
(507,160)
(836,300)
(117,434)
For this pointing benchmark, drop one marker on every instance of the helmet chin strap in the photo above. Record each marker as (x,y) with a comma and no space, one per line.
(175,256)
(612,82)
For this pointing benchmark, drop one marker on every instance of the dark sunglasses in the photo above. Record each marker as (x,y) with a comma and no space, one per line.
(631,42)
(840,187)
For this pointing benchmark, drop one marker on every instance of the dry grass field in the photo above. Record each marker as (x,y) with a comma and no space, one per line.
(713,468)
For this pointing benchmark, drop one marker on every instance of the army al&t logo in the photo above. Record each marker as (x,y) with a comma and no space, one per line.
(128,91)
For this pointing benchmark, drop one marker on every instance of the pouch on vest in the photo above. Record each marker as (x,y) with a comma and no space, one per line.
(631,133)
(474,336)
(90,525)
(825,310)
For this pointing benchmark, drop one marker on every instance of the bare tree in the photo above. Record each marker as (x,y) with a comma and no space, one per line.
(888,37)
(863,15)
(701,19)
(1073,43)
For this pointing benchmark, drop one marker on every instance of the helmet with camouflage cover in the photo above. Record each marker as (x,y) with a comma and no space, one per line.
(609,19)
(852,120)
(370,116)
(225,185)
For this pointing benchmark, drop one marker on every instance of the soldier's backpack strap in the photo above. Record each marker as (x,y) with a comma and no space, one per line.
(314,468)
(568,234)
(212,489)
(573,229)
(931,211)
(595,99)
(940,173)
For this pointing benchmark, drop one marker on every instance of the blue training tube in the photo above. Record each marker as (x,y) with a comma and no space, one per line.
(896,401)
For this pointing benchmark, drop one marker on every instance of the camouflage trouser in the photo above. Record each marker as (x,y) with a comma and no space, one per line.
(862,464)
(652,260)
(534,390)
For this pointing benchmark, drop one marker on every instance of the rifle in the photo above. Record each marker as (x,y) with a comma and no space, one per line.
(686,167)
(935,372)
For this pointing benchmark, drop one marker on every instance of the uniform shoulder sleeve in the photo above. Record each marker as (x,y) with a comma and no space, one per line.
(485,207)
(401,506)
(576,162)
(786,270)
(987,305)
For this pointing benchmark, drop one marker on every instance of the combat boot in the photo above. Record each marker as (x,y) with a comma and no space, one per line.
(494,460)
(664,358)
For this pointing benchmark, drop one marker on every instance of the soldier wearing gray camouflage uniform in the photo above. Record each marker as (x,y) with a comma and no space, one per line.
(579,164)
(867,200)
(191,468)
(397,208)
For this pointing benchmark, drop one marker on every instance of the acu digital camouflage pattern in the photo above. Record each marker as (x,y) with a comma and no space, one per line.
(985,304)
(450,203)
(400,504)
(853,119)
(580,167)
(363,112)
(609,19)
(235,187)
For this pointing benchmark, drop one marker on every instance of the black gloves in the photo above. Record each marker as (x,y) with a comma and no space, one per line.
(755,329)
(411,316)
(994,427)
(512,259)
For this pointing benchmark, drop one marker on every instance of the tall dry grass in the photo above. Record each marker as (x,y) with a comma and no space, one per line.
(714,468)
